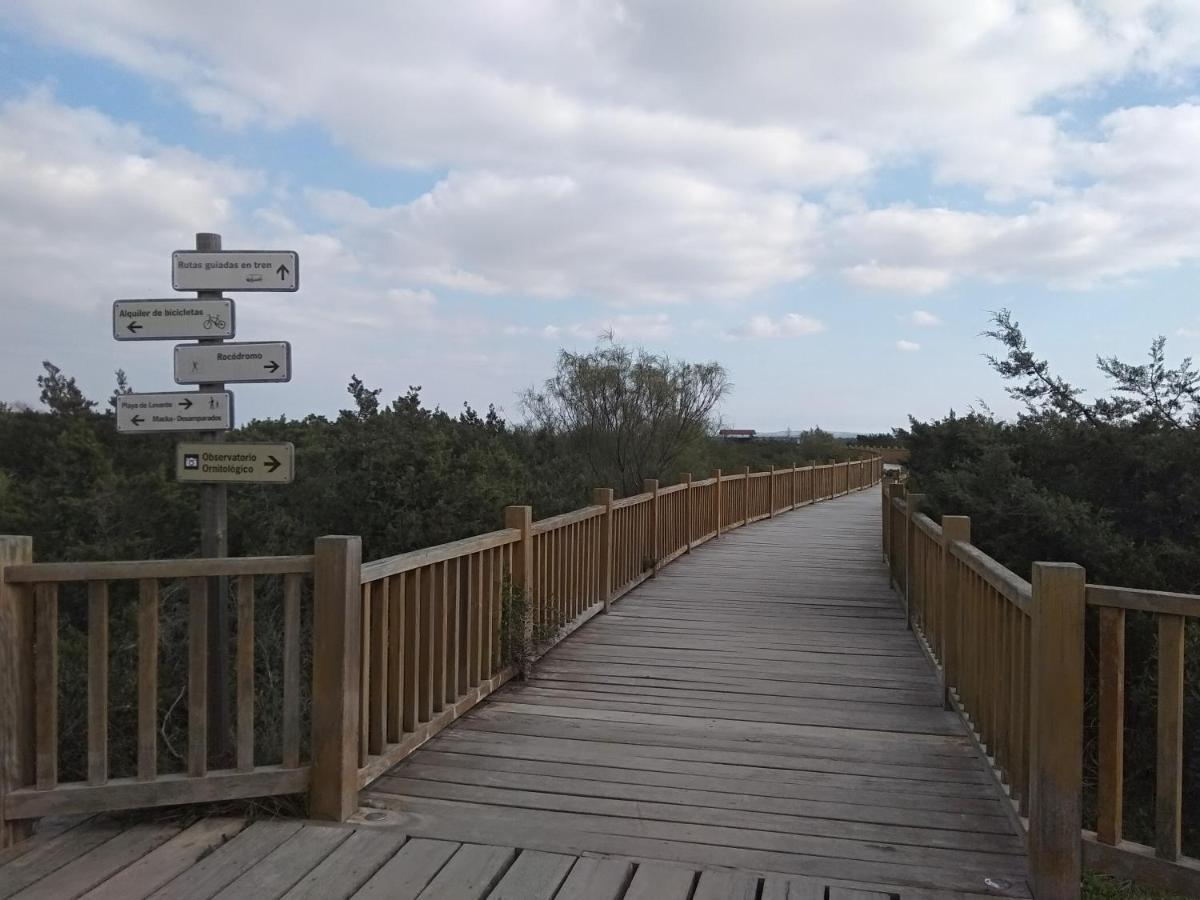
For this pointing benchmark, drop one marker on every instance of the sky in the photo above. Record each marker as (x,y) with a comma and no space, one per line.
(826,197)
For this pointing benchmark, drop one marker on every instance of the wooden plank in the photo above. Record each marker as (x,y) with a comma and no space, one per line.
(470,874)
(842,893)
(291,671)
(164,790)
(147,765)
(53,855)
(197,757)
(46,831)
(216,870)
(349,866)
(593,878)
(46,683)
(429,556)
(1111,787)
(1168,794)
(725,885)
(168,861)
(90,869)
(656,881)
(41,573)
(245,673)
(535,875)
(283,867)
(97,725)
(406,875)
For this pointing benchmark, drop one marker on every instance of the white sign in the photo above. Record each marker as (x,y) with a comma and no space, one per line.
(161,320)
(236,362)
(175,411)
(212,462)
(235,270)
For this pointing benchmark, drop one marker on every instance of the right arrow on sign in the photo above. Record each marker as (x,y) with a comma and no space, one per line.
(272,464)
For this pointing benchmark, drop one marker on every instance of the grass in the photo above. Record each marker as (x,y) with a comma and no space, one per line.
(1105,887)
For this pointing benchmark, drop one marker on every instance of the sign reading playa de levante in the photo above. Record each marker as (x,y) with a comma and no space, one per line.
(175,411)
(235,270)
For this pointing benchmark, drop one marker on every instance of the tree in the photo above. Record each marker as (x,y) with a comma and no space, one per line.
(122,388)
(628,414)
(61,394)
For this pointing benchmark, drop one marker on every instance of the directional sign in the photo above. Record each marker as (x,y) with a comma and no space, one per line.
(254,463)
(236,362)
(235,270)
(174,319)
(175,411)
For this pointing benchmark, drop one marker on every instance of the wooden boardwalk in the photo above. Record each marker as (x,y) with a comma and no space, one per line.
(755,722)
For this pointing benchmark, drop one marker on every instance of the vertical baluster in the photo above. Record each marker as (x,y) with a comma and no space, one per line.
(197,677)
(46,686)
(97,732)
(450,574)
(427,615)
(395,658)
(364,673)
(291,671)
(147,765)
(1168,804)
(462,601)
(1110,790)
(245,673)
(380,641)
(414,635)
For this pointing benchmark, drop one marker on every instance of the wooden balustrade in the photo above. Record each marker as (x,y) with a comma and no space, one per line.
(400,647)
(1011,656)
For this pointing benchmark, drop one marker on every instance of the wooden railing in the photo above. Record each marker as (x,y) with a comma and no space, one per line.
(1011,654)
(396,649)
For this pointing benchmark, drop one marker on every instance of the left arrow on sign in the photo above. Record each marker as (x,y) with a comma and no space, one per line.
(134,327)
(137,420)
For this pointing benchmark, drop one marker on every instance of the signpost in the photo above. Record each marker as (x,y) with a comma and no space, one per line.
(235,270)
(210,364)
(213,463)
(175,411)
(172,320)
(238,362)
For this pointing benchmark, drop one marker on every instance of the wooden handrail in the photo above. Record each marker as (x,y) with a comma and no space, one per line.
(568,518)
(415,559)
(1165,602)
(35,573)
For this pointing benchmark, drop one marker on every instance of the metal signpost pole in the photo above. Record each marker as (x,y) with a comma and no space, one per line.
(214,542)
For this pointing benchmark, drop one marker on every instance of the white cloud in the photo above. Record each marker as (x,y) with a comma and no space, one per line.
(899,279)
(907,346)
(789,325)
(923,318)
(624,327)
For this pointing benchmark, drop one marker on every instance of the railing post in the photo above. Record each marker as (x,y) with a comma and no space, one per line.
(16,685)
(745,495)
(650,486)
(1056,733)
(604,497)
(717,476)
(793,484)
(521,518)
(772,502)
(686,478)
(912,506)
(884,505)
(336,701)
(954,528)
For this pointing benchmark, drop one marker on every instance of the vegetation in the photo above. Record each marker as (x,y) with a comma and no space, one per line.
(1111,483)
(1105,887)
(401,475)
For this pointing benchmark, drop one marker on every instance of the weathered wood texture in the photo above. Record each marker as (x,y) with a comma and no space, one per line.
(224,858)
(760,705)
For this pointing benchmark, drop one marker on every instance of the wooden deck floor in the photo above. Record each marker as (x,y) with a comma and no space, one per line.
(759,705)
(756,723)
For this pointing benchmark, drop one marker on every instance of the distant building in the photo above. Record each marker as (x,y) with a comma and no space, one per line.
(737,434)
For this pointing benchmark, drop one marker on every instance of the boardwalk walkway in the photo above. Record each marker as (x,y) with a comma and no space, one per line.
(754,722)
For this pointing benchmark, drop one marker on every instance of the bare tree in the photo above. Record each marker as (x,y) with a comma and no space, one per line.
(628,414)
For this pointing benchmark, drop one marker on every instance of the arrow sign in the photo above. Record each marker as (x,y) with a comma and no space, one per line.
(174,411)
(172,320)
(235,270)
(233,363)
(245,463)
